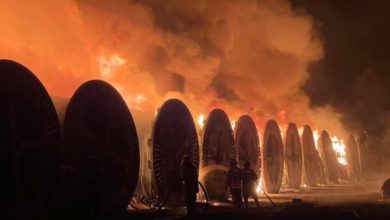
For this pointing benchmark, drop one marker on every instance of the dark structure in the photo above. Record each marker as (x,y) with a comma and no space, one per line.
(101,151)
(385,190)
(352,152)
(329,155)
(313,166)
(218,141)
(218,150)
(174,135)
(29,143)
(293,157)
(247,142)
(273,161)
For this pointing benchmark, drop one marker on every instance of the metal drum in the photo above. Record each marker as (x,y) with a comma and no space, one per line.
(247,142)
(293,157)
(29,144)
(174,135)
(218,140)
(353,157)
(329,155)
(273,161)
(311,158)
(101,152)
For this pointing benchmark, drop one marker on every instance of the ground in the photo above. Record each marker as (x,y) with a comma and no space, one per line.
(341,201)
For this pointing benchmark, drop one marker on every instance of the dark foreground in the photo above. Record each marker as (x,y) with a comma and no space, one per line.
(345,201)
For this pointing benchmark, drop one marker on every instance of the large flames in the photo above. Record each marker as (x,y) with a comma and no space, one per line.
(339,148)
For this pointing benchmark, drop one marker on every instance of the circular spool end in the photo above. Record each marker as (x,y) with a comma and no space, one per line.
(353,157)
(29,143)
(312,162)
(293,157)
(174,135)
(247,142)
(218,140)
(325,145)
(101,155)
(272,162)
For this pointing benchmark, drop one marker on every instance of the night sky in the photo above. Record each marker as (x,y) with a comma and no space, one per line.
(354,74)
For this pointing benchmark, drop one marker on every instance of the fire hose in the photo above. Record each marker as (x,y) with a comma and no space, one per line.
(269,198)
(170,192)
(207,198)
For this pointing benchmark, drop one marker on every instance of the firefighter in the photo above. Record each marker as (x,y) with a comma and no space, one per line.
(234,184)
(190,179)
(385,190)
(249,180)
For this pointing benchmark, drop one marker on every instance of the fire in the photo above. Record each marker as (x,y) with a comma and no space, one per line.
(109,64)
(300,131)
(201,120)
(316,136)
(339,148)
(259,188)
(233,124)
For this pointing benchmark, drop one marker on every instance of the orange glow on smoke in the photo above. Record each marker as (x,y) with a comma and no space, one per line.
(244,57)
(109,64)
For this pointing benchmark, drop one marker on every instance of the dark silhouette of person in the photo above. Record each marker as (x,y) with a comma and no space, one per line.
(385,190)
(234,184)
(190,179)
(249,179)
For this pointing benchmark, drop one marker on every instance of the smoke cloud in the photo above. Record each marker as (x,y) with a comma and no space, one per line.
(353,76)
(244,56)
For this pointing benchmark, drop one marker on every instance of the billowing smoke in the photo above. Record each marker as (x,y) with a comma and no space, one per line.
(353,76)
(245,56)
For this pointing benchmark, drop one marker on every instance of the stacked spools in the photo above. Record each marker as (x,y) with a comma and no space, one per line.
(89,164)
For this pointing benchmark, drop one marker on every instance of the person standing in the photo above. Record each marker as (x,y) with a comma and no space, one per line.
(189,174)
(234,184)
(249,179)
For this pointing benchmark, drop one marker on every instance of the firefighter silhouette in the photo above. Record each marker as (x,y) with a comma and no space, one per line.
(189,173)
(234,184)
(249,179)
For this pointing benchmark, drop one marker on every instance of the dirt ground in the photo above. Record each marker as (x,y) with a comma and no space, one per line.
(341,201)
